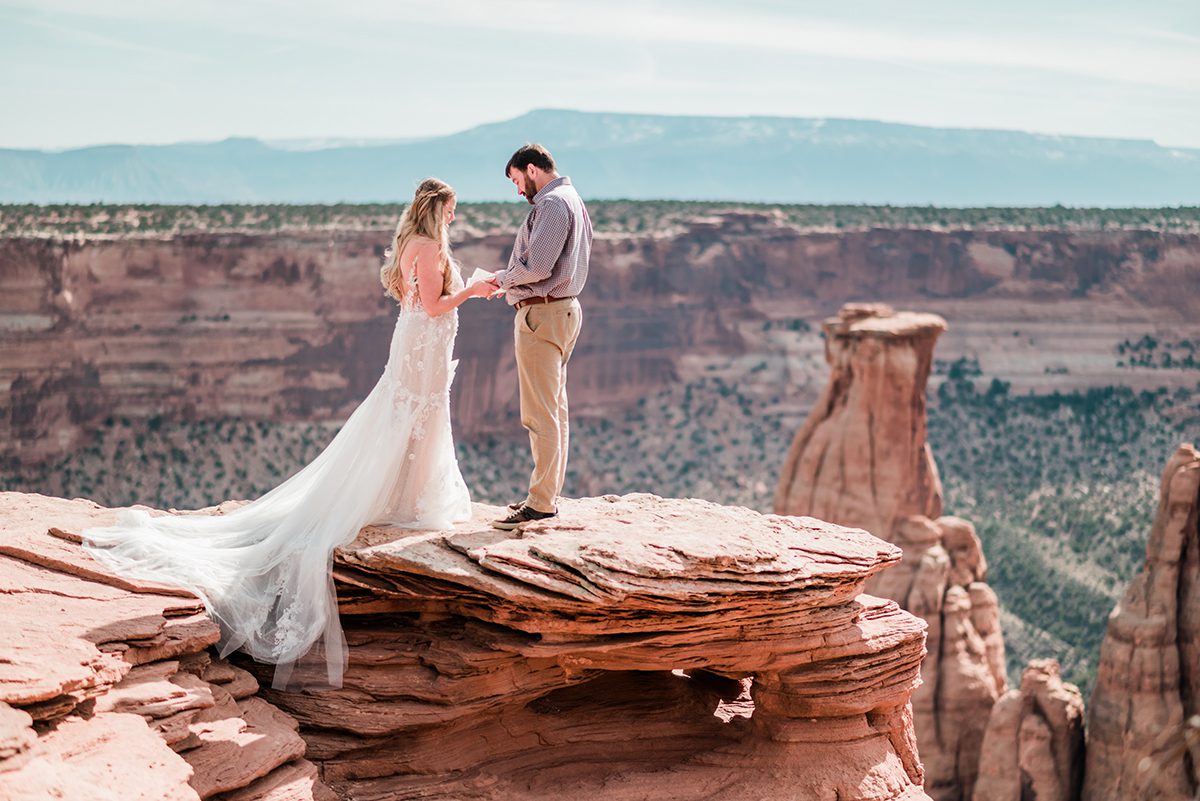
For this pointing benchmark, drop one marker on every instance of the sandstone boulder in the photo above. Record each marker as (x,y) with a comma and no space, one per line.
(1148,677)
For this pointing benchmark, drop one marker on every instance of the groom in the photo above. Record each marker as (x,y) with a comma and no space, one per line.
(547,270)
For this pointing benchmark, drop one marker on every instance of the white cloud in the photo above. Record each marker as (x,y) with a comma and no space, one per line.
(1052,43)
(1030,64)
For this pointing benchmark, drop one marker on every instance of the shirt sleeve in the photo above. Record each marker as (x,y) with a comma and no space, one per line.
(551,225)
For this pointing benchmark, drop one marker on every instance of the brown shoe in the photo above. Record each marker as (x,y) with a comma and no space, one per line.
(520,517)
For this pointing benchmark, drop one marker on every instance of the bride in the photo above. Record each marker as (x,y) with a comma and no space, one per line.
(264,569)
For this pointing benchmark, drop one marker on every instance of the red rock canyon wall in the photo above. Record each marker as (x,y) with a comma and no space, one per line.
(288,326)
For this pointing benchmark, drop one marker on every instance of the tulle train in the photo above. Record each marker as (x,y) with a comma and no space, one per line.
(264,569)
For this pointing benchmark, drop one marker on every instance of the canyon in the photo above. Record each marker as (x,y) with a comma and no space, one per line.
(718,318)
(180,357)
(703,331)
(487,664)
(291,326)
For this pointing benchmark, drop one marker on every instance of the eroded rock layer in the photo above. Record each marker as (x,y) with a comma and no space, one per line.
(633,648)
(108,689)
(1148,678)
(862,459)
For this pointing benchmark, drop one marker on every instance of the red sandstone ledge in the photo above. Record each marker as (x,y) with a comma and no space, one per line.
(633,647)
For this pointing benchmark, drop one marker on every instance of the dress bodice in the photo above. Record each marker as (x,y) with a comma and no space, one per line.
(412,299)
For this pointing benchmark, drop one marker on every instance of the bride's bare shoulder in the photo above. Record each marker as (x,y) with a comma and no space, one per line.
(417,247)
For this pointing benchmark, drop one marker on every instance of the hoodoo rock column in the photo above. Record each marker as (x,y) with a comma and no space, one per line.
(862,459)
(1148,677)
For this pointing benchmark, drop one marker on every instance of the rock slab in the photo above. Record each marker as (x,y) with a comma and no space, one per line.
(108,689)
(633,647)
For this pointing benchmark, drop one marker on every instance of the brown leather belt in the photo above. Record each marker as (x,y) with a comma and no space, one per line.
(530,301)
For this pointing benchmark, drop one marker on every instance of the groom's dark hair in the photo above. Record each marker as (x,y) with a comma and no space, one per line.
(533,154)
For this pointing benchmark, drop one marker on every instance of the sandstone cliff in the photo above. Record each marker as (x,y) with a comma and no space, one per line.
(1148,681)
(635,647)
(292,326)
(861,459)
(107,689)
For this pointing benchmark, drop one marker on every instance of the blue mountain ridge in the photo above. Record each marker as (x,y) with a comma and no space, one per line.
(636,156)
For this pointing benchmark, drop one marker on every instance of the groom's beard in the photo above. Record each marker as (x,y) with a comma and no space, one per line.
(530,189)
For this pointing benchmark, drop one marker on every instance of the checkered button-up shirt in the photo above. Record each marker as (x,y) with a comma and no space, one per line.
(550,256)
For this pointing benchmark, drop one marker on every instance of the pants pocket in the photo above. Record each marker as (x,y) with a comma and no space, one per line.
(527,321)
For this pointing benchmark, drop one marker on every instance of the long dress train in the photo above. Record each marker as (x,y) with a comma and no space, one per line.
(264,569)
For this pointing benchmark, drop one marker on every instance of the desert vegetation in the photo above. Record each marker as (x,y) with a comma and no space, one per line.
(1062,488)
(1150,352)
(618,216)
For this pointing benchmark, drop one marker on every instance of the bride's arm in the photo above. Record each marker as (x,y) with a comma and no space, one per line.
(429,284)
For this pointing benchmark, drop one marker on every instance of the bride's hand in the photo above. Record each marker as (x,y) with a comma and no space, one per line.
(482,289)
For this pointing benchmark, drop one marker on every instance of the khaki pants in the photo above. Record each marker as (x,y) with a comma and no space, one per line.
(545,335)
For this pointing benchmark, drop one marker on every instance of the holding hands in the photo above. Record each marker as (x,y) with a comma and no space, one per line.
(484,289)
(484,284)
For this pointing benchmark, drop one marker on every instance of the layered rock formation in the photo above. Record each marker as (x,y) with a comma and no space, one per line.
(1148,679)
(861,459)
(1034,745)
(634,647)
(616,653)
(107,689)
(292,326)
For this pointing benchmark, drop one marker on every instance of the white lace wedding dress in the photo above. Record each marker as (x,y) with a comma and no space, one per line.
(264,570)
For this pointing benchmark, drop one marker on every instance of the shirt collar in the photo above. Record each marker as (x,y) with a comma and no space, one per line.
(561,180)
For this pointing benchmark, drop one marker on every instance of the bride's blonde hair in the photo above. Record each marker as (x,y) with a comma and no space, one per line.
(424,217)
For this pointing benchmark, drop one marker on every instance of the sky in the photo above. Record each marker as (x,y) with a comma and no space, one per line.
(84,72)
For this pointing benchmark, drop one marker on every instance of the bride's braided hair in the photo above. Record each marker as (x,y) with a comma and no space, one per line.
(425,217)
